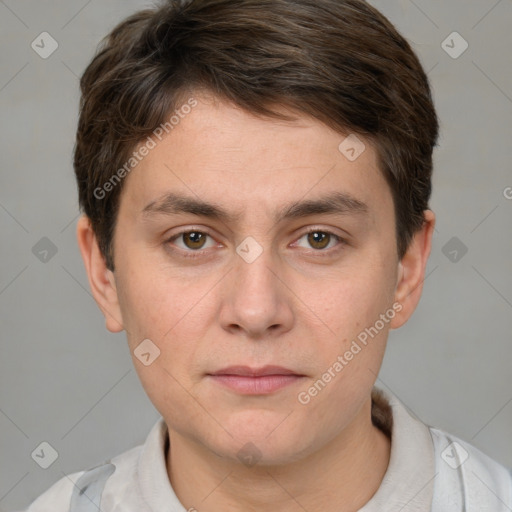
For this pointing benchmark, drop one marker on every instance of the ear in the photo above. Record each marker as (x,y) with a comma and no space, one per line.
(101,279)
(411,271)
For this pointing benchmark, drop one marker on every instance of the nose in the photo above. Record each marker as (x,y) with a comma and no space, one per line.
(257,300)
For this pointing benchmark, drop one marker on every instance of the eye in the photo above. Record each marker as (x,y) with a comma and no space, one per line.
(320,239)
(191,240)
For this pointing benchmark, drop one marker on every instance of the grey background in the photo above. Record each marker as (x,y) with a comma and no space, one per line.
(65,380)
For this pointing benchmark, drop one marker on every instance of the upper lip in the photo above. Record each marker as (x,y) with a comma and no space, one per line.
(255,372)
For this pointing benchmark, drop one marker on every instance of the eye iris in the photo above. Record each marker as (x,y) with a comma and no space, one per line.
(195,239)
(317,237)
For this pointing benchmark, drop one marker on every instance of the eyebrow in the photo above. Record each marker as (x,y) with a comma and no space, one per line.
(335,203)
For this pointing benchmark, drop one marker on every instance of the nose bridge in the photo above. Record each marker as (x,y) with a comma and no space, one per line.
(253,274)
(256,300)
(255,270)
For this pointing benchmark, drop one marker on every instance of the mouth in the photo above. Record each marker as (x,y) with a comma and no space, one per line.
(255,381)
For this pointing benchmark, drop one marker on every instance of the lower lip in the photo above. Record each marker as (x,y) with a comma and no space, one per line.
(256,385)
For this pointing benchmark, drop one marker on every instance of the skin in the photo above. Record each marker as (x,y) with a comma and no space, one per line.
(298,305)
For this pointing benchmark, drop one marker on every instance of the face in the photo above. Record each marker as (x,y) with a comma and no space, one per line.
(283,253)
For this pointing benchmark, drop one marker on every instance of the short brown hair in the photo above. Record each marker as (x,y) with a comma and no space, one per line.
(339,61)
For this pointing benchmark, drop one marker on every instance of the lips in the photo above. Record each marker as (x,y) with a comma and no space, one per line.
(247,371)
(245,380)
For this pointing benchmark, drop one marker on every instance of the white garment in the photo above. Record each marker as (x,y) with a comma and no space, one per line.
(426,473)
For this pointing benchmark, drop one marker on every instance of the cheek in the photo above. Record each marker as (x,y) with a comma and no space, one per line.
(356,311)
(349,302)
(161,310)
(170,310)
(154,300)
(349,360)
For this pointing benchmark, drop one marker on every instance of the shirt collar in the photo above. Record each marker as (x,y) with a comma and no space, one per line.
(156,490)
(408,484)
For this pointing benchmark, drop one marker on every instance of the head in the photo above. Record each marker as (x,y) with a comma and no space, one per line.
(255,178)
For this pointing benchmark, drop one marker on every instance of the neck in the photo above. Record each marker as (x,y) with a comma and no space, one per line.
(342,476)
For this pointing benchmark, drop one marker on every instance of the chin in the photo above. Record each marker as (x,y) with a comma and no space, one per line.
(257,424)
(263,442)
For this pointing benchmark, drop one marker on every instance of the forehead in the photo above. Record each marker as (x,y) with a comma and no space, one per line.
(231,160)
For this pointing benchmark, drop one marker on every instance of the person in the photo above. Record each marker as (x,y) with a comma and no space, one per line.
(255,178)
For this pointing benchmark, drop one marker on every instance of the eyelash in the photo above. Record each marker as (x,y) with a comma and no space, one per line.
(190,253)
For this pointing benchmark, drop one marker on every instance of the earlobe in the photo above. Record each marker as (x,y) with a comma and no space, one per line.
(411,271)
(101,279)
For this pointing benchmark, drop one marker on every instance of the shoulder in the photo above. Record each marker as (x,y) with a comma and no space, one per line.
(466,478)
(58,497)
(66,493)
